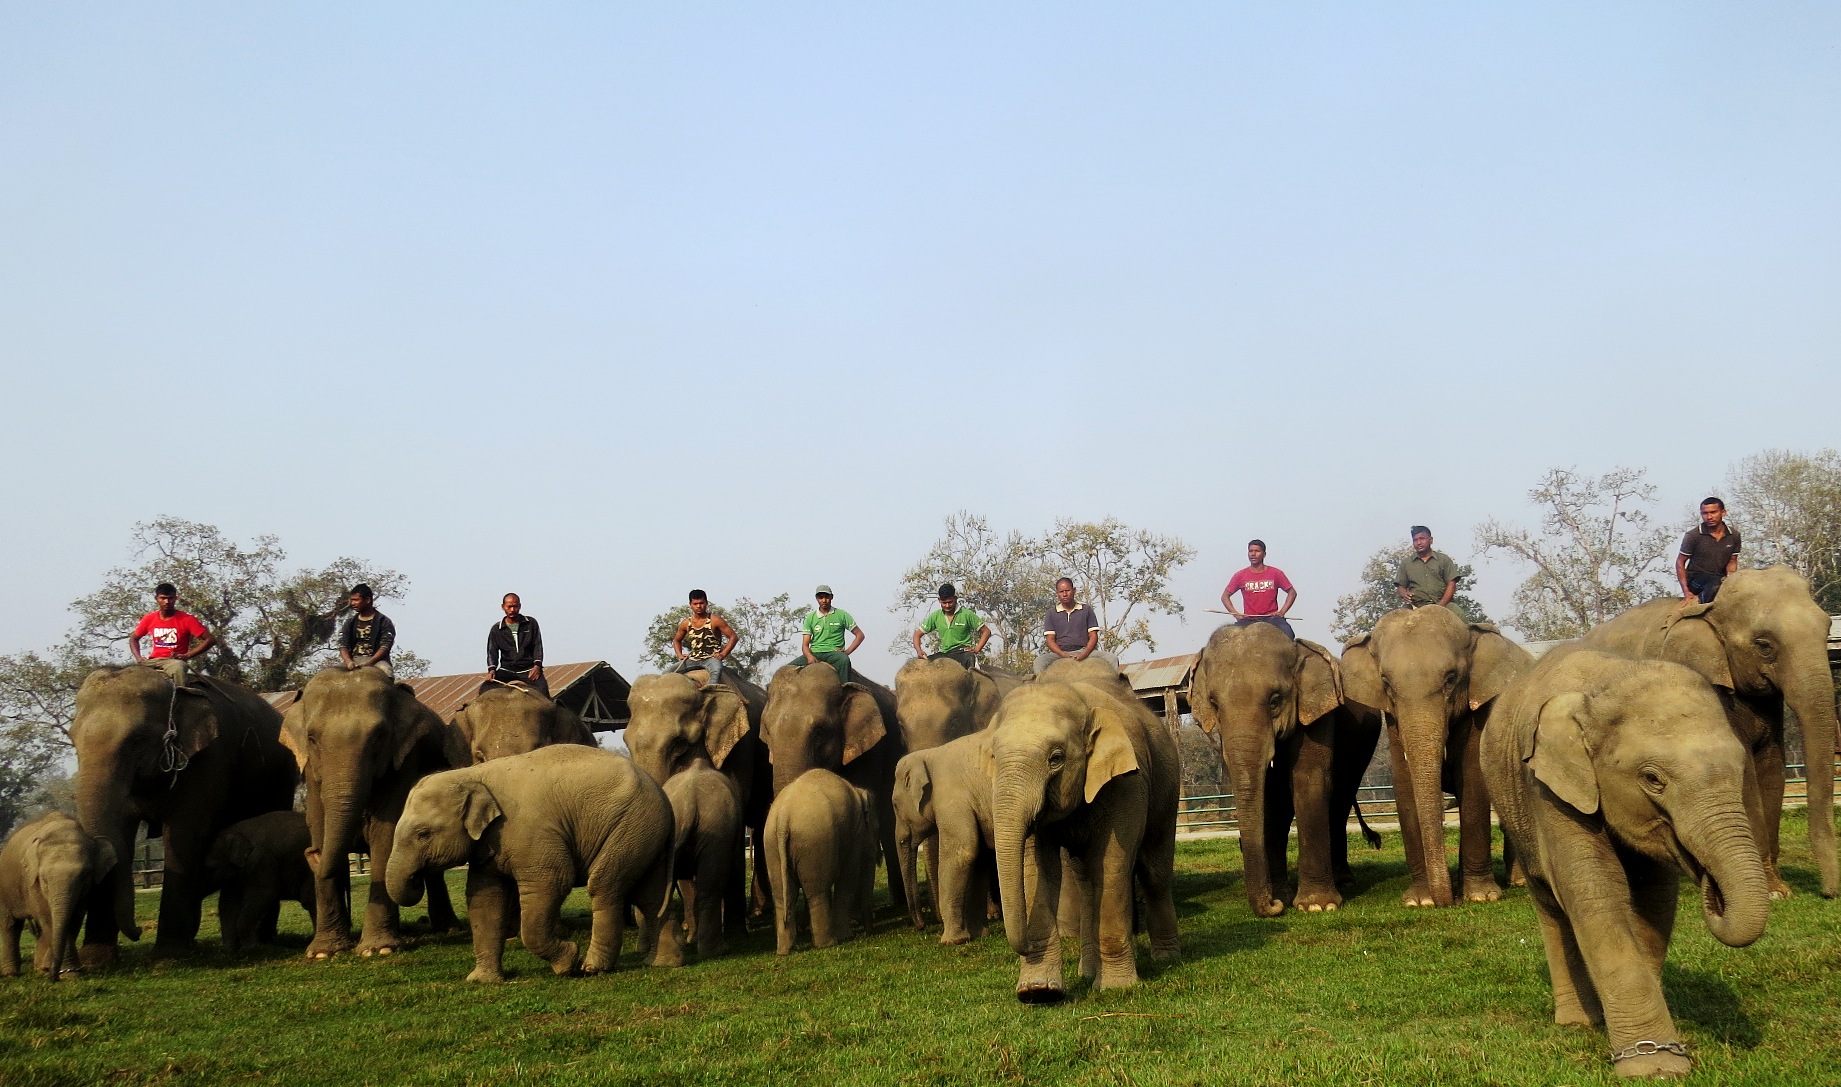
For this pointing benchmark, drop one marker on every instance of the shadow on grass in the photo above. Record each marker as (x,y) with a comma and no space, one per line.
(1701,997)
(1804,881)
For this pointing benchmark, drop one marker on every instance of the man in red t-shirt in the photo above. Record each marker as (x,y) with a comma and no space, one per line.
(1258,586)
(177,637)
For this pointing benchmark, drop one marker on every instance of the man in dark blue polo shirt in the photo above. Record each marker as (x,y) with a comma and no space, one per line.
(1070,631)
(1709,553)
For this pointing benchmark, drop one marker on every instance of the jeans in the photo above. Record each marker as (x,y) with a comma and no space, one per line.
(1705,586)
(1046,658)
(712,665)
(1271,620)
(837,659)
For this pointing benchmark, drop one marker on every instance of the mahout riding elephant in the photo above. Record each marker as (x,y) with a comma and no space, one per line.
(188,762)
(1433,677)
(48,867)
(943,794)
(821,841)
(362,740)
(680,721)
(1609,774)
(510,719)
(532,826)
(256,865)
(1275,707)
(1764,643)
(1083,767)
(707,816)
(813,722)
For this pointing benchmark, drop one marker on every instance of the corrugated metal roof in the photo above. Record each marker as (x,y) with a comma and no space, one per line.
(1160,674)
(590,688)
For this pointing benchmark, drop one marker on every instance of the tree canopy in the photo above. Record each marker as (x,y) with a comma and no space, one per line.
(1357,612)
(764,633)
(1787,508)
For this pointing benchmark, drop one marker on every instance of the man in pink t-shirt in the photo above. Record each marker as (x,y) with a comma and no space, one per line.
(176,636)
(1259,586)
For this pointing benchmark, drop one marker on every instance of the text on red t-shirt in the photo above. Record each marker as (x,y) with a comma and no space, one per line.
(172,635)
(1259,589)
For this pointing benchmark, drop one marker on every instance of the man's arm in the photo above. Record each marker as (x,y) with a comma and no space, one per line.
(677,639)
(1291,597)
(1086,650)
(1048,638)
(348,637)
(1732,560)
(858,640)
(984,635)
(386,638)
(917,645)
(805,647)
(1681,575)
(199,645)
(728,632)
(1402,583)
(536,671)
(1450,591)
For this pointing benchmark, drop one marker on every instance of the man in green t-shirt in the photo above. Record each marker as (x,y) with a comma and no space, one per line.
(1425,576)
(822,639)
(962,634)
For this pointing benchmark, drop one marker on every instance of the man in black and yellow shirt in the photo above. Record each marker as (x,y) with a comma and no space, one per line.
(369,634)
(703,640)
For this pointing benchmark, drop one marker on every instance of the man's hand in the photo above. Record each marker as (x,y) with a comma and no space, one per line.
(536,672)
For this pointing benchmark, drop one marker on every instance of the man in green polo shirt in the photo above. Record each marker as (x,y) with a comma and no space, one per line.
(1425,576)
(822,640)
(962,634)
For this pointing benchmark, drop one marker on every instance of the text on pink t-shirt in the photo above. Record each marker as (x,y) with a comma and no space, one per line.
(1258,589)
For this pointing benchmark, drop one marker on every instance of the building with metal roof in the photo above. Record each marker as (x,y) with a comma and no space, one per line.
(592,689)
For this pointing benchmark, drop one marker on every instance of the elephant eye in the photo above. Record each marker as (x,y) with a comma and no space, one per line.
(1653,780)
(1450,680)
(1277,699)
(1055,759)
(421,832)
(1764,646)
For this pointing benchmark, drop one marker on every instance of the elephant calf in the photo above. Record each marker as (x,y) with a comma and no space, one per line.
(707,814)
(47,870)
(1609,774)
(533,826)
(821,839)
(257,864)
(946,791)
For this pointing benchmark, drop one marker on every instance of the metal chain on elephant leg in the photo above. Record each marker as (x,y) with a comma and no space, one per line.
(1647,1048)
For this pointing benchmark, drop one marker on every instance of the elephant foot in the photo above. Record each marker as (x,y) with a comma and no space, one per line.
(1779,889)
(1166,952)
(1318,901)
(954,939)
(1482,889)
(1573,1016)
(1117,977)
(1040,982)
(1417,896)
(483,976)
(387,944)
(1272,907)
(567,957)
(326,945)
(174,949)
(1654,1066)
(1041,994)
(98,956)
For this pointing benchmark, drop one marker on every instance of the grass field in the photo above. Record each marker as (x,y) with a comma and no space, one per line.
(1371,994)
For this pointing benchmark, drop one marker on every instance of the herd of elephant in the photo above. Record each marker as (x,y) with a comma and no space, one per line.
(1653,745)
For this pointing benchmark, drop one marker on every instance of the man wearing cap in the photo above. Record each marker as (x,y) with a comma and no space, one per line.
(1709,554)
(1259,586)
(177,637)
(703,641)
(514,648)
(368,635)
(822,639)
(1070,631)
(1425,576)
(962,634)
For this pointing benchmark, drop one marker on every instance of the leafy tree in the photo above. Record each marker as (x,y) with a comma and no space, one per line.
(1595,554)
(764,632)
(1788,508)
(1002,578)
(1357,612)
(1119,569)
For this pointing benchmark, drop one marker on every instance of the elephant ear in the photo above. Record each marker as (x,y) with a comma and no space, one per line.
(1561,760)
(985,696)
(1201,703)
(236,850)
(1109,748)
(294,733)
(1494,663)
(1692,641)
(1319,682)
(725,721)
(465,723)
(914,783)
(1361,674)
(478,808)
(413,724)
(103,852)
(863,726)
(195,715)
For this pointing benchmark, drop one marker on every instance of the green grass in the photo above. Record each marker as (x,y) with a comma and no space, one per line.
(1371,994)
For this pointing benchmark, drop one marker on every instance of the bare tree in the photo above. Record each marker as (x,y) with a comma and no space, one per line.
(1357,612)
(763,632)
(1595,554)
(1788,508)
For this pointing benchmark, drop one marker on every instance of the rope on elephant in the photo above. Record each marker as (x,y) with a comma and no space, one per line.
(173,759)
(516,686)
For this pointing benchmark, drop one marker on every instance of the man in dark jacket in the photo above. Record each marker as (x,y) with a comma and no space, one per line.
(369,634)
(514,648)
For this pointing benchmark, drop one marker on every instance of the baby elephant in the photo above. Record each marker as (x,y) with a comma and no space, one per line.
(946,790)
(708,817)
(821,838)
(533,826)
(1609,774)
(46,872)
(258,864)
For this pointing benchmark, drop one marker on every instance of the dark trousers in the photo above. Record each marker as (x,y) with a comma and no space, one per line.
(506,675)
(837,659)
(1705,586)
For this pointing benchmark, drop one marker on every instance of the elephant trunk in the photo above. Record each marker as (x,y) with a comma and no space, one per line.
(1810,694)
(1247,771)
(1422,736)
(66,907)
(404,879)
(1016,802)
(102,813)
(339,811)
(1734,895)
(907,850)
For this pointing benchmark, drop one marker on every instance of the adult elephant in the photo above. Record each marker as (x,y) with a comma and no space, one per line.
(511,719)
(362,741)
(186,761)
(1764,643)
(1433,677)
(681,721)
(1275,707)
(1083,767)
(941,700)
(814,722)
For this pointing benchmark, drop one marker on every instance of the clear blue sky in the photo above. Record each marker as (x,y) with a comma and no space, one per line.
(601,303)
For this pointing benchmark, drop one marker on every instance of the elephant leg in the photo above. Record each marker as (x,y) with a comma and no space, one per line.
(1655,892)
(182,890)
(1039,972)
(1069,906)
(486,894)
(717,876)
(1083,875)
(1156,871)
(763,887)
(786,923)
(650,897)
(1768,761)
(332,898)
(231,921)
(382,934)
(1511,859)
(976,903)
(955,862)
(1113,903)
(734,892)
(1310,788)
(1479,871)
(10,929)
(930,862)
(1575,999)
(1406,806)
(820,903)
(441,916)
(540,901)
(1276,825)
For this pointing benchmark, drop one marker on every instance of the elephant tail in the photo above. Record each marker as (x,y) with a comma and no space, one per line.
(1369,834)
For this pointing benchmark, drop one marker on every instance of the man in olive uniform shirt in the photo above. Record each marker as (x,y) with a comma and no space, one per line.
(1425,576)
(1709,553)
(822,640)
(962,633)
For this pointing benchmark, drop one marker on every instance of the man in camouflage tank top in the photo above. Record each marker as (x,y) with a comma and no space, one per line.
(703,640)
